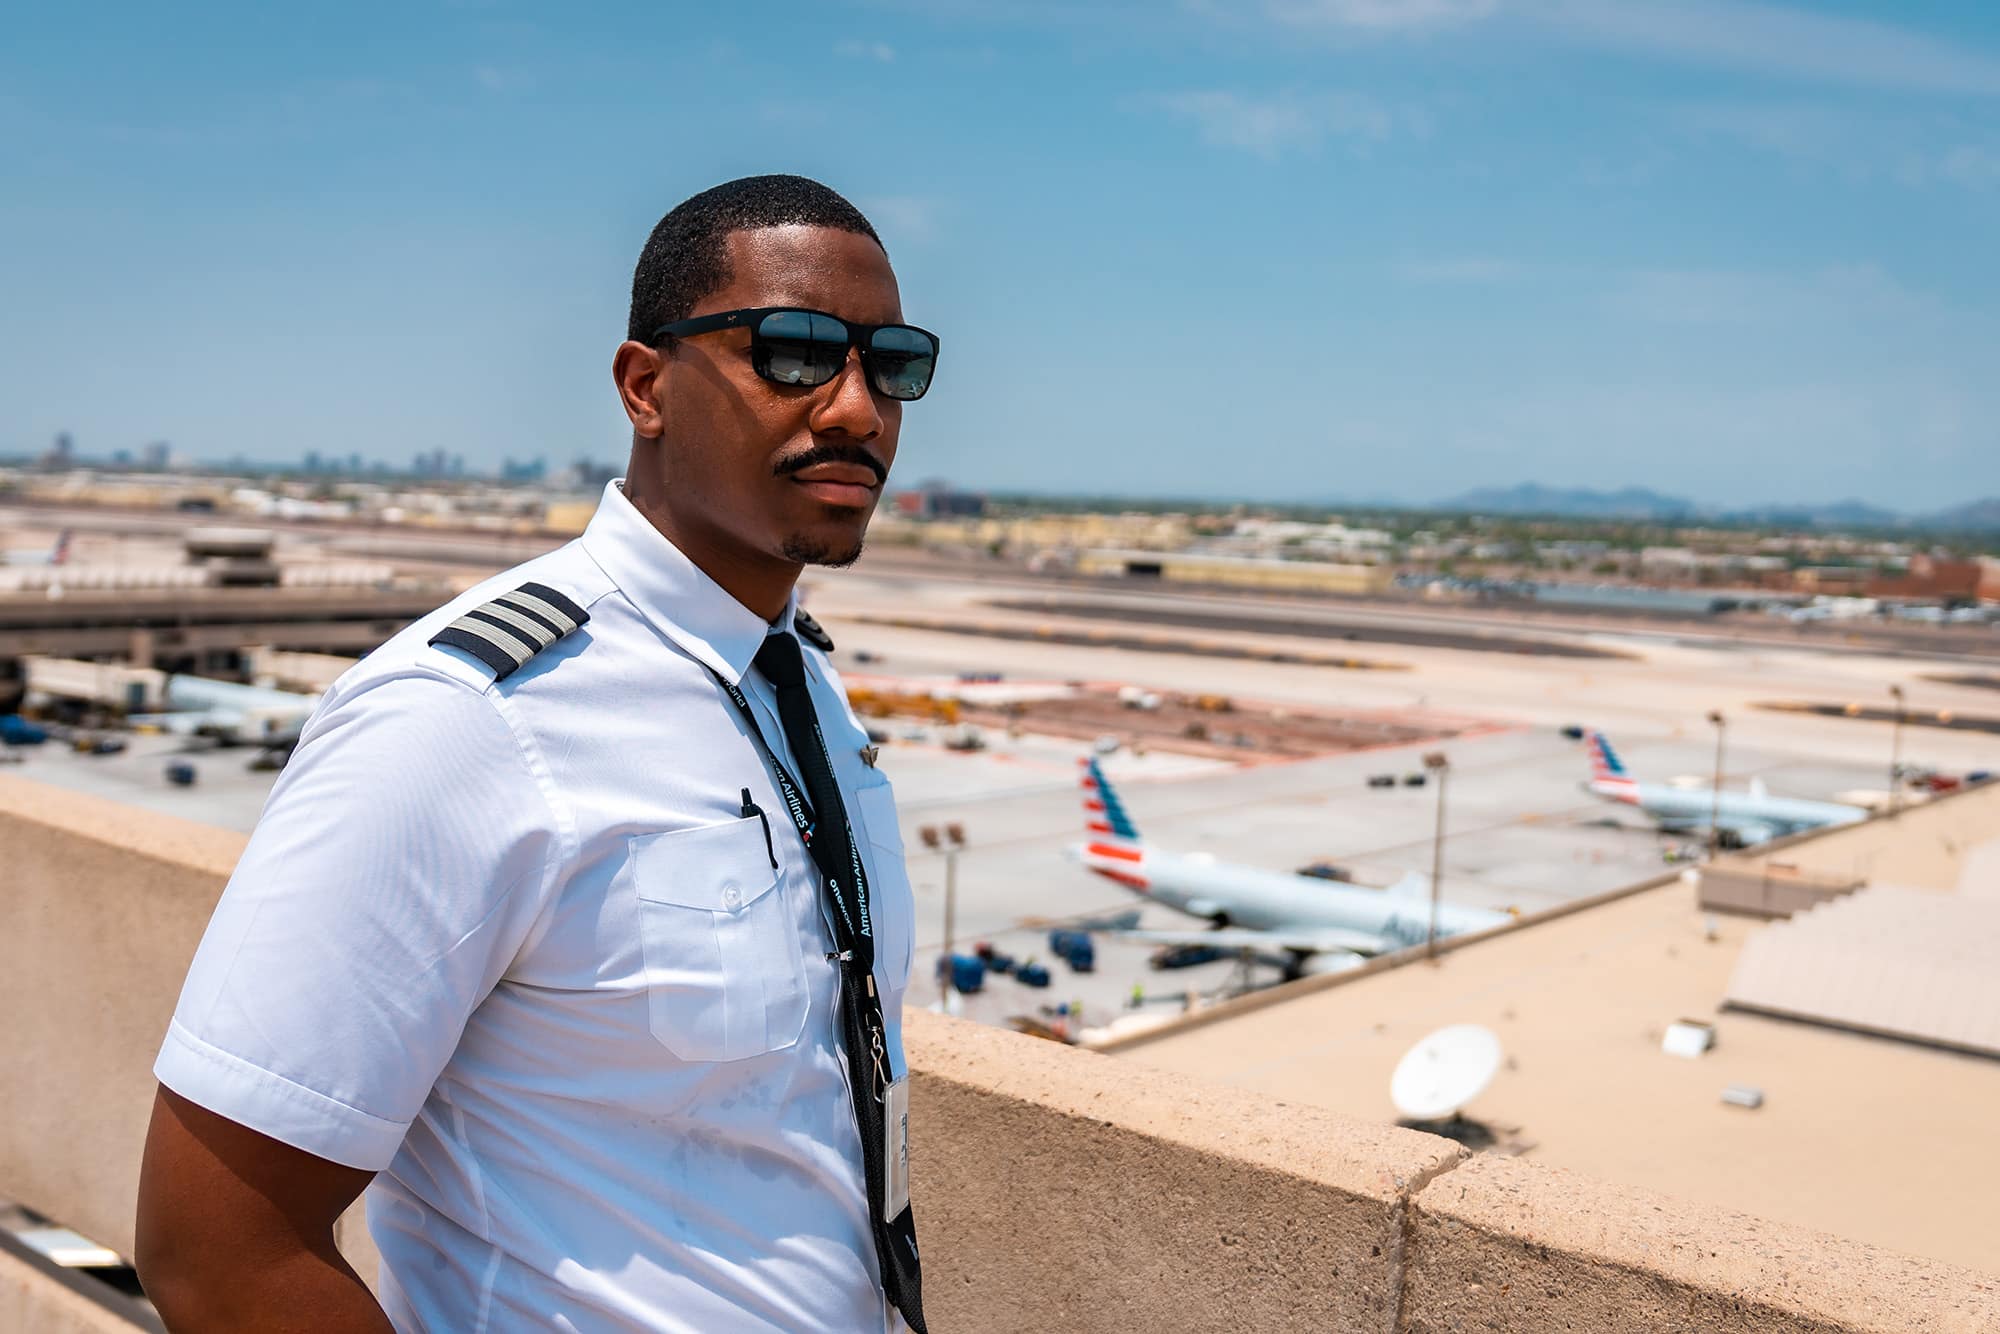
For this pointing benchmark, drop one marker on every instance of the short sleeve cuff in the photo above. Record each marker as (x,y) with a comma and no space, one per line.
(272,1105)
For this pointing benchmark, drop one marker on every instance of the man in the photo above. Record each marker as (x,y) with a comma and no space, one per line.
(583,932)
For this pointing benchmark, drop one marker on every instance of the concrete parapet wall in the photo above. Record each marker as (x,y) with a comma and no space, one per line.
(104,907)
(1058,1189)
(1055,1189)
(1506,1245)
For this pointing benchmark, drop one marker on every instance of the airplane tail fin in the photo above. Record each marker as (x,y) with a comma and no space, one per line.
(1604,761)
(1103,814)
(1607,771)
(1415,885)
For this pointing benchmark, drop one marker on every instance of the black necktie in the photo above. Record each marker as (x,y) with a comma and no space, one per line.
(861,1030)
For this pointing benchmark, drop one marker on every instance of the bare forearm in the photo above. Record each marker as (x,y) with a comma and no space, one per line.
(304,1291)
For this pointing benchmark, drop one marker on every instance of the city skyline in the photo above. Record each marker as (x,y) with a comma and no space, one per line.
(1347,249)
(1526,501)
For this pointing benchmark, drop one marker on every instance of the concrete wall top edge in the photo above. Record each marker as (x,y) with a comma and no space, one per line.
(143,833)
(1374,1161)
(1813,1276)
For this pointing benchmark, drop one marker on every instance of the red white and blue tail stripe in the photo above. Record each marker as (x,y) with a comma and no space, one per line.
(1607,772)
(1103,813)
(1114,850)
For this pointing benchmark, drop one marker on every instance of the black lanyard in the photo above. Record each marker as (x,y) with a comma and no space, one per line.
(850,942)
(863,1034)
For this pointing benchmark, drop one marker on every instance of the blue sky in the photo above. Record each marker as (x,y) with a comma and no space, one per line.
(1298,249)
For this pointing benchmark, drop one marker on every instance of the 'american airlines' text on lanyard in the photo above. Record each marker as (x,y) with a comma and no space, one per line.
(806,819)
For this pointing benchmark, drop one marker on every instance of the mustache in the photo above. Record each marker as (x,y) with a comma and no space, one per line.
(830,452)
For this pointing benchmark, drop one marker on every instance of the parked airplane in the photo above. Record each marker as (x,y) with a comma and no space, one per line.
(1323,925)
(232,714)
(55,555)
(1743,818)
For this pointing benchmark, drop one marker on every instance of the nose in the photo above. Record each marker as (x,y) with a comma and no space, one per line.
(848,406)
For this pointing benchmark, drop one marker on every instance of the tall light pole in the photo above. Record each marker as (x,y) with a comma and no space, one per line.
(951,839)
(1715,788)
(1439,766)
(1896,753)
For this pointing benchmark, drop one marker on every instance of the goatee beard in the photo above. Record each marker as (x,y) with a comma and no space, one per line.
(806,551)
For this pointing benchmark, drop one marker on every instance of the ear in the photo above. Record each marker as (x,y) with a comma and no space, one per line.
(635,369)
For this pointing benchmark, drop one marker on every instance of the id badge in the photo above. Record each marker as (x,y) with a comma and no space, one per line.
(896,1148)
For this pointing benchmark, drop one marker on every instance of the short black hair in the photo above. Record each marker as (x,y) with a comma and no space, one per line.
(686,257)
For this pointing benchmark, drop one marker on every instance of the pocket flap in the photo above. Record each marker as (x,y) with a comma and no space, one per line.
(721,867)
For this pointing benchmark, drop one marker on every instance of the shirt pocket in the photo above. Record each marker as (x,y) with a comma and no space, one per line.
(892,908)
(725,978)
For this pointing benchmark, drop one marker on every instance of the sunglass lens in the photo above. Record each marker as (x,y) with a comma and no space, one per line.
(798,347)
(901,361)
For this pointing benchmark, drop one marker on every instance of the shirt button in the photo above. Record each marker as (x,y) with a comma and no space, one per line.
(730,898)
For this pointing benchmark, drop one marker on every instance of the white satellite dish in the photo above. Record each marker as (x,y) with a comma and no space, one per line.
(1445,1071)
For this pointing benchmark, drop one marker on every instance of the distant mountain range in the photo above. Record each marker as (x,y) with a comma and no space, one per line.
(1980,514)
(1632,502)
(1637,502)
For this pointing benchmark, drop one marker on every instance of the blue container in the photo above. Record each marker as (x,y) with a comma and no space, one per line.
(18,731)
(1074,948)
(968,974)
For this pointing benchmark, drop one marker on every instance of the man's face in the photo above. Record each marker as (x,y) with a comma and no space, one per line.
(760,470)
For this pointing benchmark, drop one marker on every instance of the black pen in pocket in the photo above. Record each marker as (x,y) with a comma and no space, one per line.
(751,808)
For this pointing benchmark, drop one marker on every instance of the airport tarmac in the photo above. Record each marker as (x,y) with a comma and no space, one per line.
(1521,835)
(1520,832)
(225,793)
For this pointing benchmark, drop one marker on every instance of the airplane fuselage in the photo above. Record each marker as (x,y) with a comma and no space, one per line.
(1248,896)
(1692,808)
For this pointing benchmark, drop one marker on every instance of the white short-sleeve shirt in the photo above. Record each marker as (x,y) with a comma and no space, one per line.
(514,945)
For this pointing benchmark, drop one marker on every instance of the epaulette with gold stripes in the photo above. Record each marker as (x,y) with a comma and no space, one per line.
(512,628)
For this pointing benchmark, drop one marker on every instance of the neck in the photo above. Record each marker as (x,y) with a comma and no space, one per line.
(761,582)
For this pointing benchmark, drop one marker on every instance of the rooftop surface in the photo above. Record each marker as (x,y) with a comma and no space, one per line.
(1871,1138)
(1908,963)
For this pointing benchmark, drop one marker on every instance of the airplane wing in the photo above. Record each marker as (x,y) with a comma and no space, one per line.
(1306,940)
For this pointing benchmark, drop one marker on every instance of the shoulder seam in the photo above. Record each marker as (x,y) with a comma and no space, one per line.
(568,843)
(566,846)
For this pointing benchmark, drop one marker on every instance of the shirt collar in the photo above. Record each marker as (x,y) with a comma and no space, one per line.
(672,592)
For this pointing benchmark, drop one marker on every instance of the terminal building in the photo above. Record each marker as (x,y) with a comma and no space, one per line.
(228,594)
(1255,572)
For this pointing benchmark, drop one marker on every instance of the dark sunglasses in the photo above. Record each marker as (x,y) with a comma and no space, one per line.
(809,347)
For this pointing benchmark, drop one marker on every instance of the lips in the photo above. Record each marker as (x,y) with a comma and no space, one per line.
(847,484)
